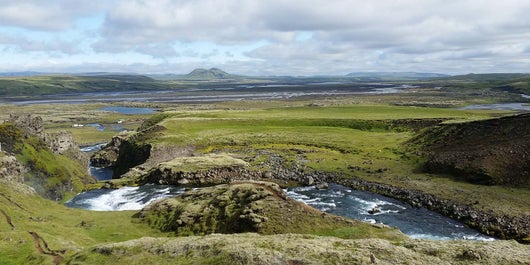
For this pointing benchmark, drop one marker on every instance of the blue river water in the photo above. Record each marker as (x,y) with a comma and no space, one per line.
(129,110)
(356,204)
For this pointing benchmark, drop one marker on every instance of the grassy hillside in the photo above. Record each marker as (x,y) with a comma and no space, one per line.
(495,151)
(38,231)
(363,141)
(352,140)
(61,84)
(514,83)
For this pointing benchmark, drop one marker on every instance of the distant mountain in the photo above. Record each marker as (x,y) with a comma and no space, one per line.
(27,73)
(124,77)
(386,76)
(491,77)
(208,74)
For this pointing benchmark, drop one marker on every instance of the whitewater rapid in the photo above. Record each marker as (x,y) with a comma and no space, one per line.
(126,198)
(375,208)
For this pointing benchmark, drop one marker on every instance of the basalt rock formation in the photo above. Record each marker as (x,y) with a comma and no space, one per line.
(61,143)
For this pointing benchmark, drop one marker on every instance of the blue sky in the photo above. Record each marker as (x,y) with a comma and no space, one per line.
(258,37)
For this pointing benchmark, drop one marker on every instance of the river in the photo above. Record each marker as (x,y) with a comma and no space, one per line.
(338,199)
(356,204)
(217,93)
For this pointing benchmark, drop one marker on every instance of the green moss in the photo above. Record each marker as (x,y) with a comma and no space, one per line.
(205,162)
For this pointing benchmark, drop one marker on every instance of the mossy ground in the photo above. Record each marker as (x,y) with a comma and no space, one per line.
(250,248)
(198,163)
(351,140)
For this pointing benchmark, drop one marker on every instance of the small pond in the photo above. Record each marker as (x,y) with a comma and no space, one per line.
(129,110)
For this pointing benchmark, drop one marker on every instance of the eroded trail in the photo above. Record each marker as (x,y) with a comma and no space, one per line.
(8,219)
(42,248)
(12,202)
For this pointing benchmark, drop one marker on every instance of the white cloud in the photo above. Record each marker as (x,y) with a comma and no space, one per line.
(289,37)
(49,15)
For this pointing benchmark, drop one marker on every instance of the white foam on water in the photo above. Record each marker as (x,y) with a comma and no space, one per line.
(384,212)
(297,196)
(371,204)
(304,188)
(428,236)
(91,148)
(320,203)
(478,238)
(369,220)
(127,198)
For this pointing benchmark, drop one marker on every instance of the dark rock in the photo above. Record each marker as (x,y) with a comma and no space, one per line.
(374,210)
(309,181)
(322,186)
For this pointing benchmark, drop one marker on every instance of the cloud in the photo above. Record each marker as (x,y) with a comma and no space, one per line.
(299,37)
(369,24)
(50,15)
(24,45)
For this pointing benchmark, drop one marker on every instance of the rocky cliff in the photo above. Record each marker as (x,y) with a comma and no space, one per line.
(11,169)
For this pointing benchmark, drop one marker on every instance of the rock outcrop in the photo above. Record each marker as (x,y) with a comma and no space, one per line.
(11,169)
(108,155)
(61,143)
(54,164)
(249,206)
(30,124)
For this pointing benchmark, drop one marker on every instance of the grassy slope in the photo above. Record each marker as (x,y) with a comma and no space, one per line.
(62,228)
(54,176)
(60,84)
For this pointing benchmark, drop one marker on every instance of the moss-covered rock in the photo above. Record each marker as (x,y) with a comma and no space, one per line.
(209,169)
(261,207)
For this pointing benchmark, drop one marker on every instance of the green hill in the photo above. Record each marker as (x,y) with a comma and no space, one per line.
(62,84)
(201,74)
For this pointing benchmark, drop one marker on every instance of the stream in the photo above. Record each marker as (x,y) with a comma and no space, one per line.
(338,199)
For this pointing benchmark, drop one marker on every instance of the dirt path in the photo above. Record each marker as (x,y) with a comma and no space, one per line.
(42,248)
(11,201)
(8,219)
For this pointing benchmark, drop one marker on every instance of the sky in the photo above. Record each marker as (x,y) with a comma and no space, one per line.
(265,37)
